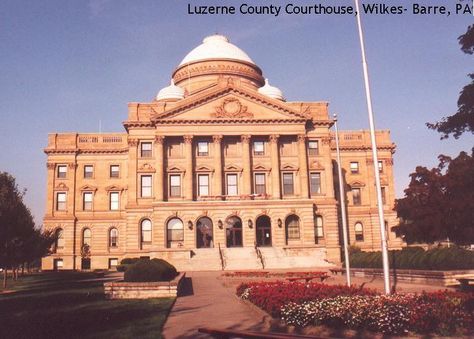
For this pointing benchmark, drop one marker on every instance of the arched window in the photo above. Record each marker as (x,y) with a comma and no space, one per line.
(146,231)
(359,231)
(318,228)
(86,237)
(292,226)
(233,230)
(175,232)
(113,237)
(59,244)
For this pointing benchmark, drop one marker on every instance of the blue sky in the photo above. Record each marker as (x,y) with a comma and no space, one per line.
(66,65)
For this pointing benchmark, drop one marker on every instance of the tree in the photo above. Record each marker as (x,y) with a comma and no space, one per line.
(463,120)
(20,242)
(439,203)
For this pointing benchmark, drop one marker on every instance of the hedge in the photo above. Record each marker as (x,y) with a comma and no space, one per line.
(452,258)
(150,270)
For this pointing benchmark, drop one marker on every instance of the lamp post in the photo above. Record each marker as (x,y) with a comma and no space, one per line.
(374,155)
(342,204)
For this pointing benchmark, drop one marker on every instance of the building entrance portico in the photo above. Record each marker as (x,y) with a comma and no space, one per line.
(264,231)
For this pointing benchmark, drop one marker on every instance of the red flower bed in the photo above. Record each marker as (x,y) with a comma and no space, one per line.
(272,296)
(265,274)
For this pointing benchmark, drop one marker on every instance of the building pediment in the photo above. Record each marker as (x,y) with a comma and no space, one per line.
(356,184)
(114,188)
(232,168)
(175,169)
(229,103)
(61,187)
(261,168)
(316,165)
(204,168)
(146,167)
(88,188)
(289,167)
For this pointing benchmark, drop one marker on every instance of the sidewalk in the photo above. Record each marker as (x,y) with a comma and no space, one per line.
(207,303)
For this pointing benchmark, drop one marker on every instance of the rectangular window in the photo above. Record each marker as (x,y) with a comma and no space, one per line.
(175,185)
(114,201)
(380,166)
(87,201)
(232,188)
(60,201)
(384,200)
(113,262)
(288,187)
(315,183)
(62,170)
(354,167)
(88,171)
(203,184)
(313,147)
(356,196)
(259,148)
(318,228)
(145,149)
(114,171)
(203,148)
(146,186)
(260,183)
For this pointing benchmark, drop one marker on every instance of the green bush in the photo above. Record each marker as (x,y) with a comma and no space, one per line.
(444,258)
(129,261)
(150,270)
(121,268)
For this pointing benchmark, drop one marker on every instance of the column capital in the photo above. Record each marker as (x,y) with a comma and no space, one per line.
(50,165)
(245,138)
(327,140)
(274,138)
(132,142)
(159,139)
(72,165)
(188,139)
(301,137)
(217,138)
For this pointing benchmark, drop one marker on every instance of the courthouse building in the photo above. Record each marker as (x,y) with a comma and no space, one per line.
(219,171)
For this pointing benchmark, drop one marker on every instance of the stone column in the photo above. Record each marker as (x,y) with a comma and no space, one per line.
(51,166)
(132,171)
(217,183)
(247,167)
(159,163)
(303,160)
(188,154)
(274,152)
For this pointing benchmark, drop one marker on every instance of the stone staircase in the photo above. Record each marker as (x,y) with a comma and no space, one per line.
(275,257)
(241,258)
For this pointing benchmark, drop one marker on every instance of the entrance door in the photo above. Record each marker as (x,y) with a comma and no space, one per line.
(233,232)
(264,231)
(204,233)
(86,264)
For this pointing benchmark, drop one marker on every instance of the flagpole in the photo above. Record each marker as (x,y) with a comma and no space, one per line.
(342,204)
(374,155)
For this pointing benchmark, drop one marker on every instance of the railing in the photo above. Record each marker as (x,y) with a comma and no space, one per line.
(259,255)
(221,255)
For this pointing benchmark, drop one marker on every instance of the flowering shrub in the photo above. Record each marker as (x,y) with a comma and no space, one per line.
(443,312)
(271,296)
(265,274)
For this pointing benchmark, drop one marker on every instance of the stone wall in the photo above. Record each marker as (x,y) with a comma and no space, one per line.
(143,290)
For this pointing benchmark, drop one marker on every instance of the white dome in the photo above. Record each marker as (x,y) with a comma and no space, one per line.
(170,92)
(271,91)
(216,47)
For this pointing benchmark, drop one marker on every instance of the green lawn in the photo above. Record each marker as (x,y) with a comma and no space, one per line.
(72,305)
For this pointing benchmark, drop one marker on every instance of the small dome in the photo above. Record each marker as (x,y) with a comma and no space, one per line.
(271,91)
(171,92)
(216,47)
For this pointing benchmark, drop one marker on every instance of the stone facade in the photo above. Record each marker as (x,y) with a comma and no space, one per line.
(212,174)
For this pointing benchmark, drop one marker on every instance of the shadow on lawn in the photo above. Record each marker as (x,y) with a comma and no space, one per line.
(63,305)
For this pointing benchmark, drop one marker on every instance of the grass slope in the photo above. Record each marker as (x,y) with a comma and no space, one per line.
(72,305)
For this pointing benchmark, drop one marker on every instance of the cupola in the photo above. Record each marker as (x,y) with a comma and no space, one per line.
(170,93)
(271,91)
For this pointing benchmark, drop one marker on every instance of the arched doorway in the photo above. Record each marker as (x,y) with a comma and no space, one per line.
(263,231)
(233,231)
(204,237)
(292,228)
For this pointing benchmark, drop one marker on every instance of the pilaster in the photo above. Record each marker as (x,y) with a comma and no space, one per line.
(159,140)
(217,183)
(275,159)
(188,153)
(302,156)
(247,169)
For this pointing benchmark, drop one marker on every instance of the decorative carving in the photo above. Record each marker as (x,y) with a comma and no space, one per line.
(326,140)
(188,139)
(132,142)
(159,139)
(302,138)
(265,212)
(88,188)
(217,139)
(72,165)
(204,213)
(61,187)
(146,167)
(236,212)
(114,188)
(274,138)
(245,139)
(232,108)
(389,162)
(316,165)
(50,165)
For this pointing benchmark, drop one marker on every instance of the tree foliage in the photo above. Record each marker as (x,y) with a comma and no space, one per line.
(20,242)
(463,120)
(439,203)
